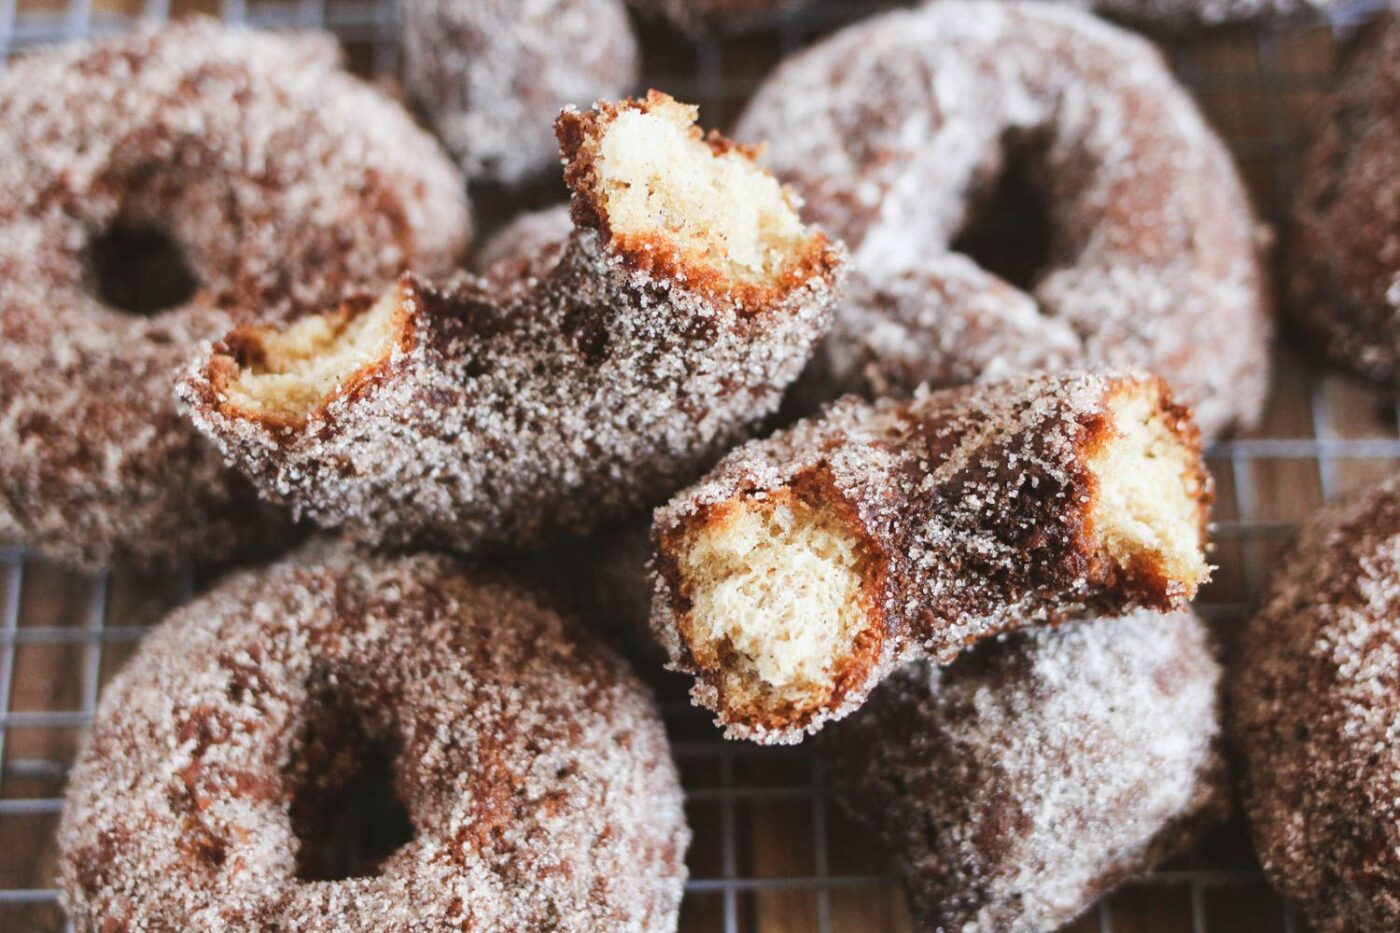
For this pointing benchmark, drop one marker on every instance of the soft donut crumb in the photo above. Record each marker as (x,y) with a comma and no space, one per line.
(696,207)
(290,373)
(1147,512)
(658,178)
(775,587)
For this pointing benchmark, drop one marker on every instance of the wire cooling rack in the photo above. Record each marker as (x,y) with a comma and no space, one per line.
(771,852)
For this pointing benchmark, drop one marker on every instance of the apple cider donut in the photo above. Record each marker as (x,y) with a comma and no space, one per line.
(281,181)
(1314,706)
(532,765)
(1026,779)
(1152,259)
(806,566)
(1174,15)
(700,16)
(1345,275)
(486,414)
(493,74)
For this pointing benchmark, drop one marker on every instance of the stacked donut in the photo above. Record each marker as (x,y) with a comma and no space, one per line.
(972,577)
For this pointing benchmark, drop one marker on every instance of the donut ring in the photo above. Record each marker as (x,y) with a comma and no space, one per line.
(493,74)
(284,182)
(533,765)
(1314,712)
(807,566)
(483,414)
(696,17)
(1034,774)
(1153,260)
(1345,281)
(1175,15)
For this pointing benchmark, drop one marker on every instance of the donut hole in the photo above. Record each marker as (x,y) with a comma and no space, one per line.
(139,270)
(703,203)
(345,812)
(1008,231)
(1146,514)
(776,602)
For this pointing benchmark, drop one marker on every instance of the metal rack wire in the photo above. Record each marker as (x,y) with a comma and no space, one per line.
(771,852)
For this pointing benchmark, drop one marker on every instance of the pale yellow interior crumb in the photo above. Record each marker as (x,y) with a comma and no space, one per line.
(1147,502)
(719,210)
(774,587)
(306,363)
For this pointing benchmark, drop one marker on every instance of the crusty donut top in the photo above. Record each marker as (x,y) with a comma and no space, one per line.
(493,74)
(1346,252)
(283,181)
(1317,711)
(1036,772)
(892,130)
(1183,14)
(699,16)
(533,766)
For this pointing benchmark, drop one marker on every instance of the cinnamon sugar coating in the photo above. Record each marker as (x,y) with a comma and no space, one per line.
(283,181)
(493,74)
(955,515)
(1344,281)
(1315,712)
(895,129)
(511,409)
(701,16)
(1187,14)
(1037,772)
(533,766)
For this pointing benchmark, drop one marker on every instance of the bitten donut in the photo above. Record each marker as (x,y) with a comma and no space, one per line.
(806,566)
(495,413)
(1315,707)
(532,765)
(1035,773)
(894,129)
(282,182)
(1344,281)
(493,74)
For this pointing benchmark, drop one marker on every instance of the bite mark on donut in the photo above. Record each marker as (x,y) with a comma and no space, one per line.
(282,377)
(680,203)
(782,599)
(1150,494)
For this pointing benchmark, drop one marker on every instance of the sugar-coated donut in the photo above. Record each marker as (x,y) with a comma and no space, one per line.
(488,413)
(1344,281)
(1035,773)
(1315,712)
(1174,15)
(700,16)
(283,181)
(533,766)
(807,566)
(894,129)
(493,74)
